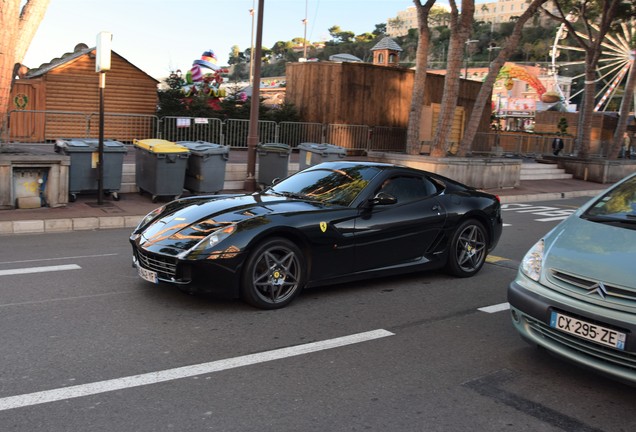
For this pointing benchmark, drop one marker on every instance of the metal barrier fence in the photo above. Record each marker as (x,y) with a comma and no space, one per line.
(47,126)
(496,144)
(38,126)
(124,127)
(192,129)
(388,139)
(293,134)
(236,132)
(353,138)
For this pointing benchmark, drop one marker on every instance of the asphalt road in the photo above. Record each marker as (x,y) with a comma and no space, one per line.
(88,346)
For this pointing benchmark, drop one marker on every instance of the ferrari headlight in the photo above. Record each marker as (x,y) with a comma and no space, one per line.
(533,261)
(150,216)
(219,235)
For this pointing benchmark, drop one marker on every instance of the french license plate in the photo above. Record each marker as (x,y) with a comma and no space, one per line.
(592,332)
(148,275)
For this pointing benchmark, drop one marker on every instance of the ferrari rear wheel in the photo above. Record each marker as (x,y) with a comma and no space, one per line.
(274,274)
(468,249)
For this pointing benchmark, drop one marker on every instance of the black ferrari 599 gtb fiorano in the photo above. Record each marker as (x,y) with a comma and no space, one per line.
(330,223)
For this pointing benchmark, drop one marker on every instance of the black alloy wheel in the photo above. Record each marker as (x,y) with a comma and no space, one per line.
(274,274)
(468,249)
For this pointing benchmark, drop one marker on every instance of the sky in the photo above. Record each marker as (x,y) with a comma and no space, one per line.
(160,36)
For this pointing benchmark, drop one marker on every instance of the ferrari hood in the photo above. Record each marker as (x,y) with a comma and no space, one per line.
(592,250)
(184,223)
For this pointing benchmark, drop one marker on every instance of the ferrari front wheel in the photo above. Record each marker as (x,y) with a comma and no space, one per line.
(468,249)
(274,274)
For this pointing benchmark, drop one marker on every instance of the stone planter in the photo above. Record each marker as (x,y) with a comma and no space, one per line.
(595,170)
(482,173)
(16,163)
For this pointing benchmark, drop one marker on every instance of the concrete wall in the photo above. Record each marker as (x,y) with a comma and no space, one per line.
(596,170)
(476,172)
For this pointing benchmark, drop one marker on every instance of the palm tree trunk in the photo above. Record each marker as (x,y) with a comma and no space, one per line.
(626,103)
(461,26)
(413,144)
(484,95)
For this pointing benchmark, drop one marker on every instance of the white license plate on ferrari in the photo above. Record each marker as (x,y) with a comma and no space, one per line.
(592,332)
(148,275)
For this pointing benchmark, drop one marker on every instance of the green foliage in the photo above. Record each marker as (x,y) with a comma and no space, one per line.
(562,125)
(173,103)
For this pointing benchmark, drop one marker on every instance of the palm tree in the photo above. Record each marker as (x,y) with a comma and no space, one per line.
(461,25)
(483,97)
(419,81)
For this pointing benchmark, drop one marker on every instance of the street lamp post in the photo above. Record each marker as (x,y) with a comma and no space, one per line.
(470,41)
(490,49)
(252,45)
(252,134)
(305,33)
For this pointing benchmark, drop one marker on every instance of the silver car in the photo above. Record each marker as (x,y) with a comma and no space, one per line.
(575,291)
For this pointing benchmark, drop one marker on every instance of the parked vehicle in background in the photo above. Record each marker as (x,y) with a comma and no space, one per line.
(330,223)
(575,292)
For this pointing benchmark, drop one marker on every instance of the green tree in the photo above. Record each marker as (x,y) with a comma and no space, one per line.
(236,56)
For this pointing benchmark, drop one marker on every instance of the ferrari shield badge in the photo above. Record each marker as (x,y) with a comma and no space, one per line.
(323,226)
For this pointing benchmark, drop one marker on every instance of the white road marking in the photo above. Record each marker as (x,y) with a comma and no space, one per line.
(46,396)
(59,258)
(29,270)
(495,308)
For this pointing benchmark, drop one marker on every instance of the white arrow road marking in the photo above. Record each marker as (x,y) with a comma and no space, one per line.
(24,400)
(495,308)
(29,270)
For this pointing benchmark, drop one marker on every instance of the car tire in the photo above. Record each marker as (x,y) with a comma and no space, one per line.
(273,275)
(468,249)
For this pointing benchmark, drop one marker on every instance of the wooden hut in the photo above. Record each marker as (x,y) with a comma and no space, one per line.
(367,94)
(66,91)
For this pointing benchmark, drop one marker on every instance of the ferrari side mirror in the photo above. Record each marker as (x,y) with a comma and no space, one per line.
(383,198)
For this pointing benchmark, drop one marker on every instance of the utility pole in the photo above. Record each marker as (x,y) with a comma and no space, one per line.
(252,134)
(466,48)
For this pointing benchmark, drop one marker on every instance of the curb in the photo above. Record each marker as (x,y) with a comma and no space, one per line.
(550,196)
(40,226)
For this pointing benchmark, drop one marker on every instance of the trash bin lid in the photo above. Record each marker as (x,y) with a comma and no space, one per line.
(74,145)
(89,145)
(322,148)
(160,146)
(112,146)
(204,148)
(275,147)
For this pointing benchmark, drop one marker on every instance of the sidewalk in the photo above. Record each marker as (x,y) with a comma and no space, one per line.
(86,214)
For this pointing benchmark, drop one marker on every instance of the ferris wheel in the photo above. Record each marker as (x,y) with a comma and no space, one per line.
(613,66)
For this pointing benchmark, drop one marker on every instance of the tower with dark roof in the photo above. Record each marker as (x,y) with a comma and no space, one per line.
(386,52)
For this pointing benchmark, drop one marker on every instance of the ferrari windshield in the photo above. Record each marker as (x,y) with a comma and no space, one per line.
(333,186)
(618,204)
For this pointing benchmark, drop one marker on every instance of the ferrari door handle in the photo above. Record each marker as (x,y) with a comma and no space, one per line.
(435,208)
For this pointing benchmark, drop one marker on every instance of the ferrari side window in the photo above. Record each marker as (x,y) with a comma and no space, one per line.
(408,188)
